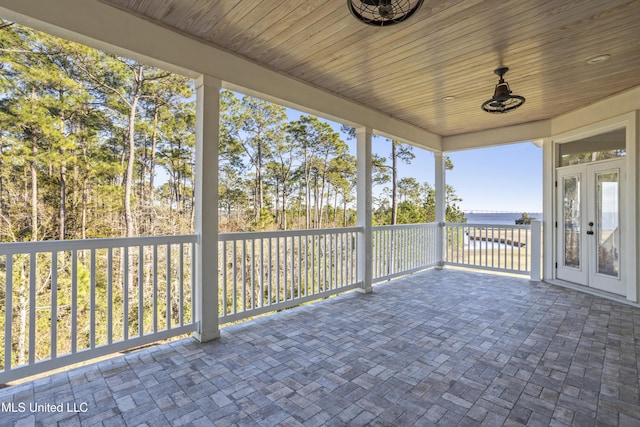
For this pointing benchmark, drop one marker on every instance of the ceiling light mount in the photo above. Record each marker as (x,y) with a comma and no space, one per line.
(598,59)
(502,101)
(383,13)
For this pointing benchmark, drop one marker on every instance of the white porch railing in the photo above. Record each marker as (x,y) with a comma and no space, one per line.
(268,271)
(505,248)
(64,302)
(403,249)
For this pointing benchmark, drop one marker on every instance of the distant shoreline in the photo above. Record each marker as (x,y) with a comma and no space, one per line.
(480,212)
(502,218)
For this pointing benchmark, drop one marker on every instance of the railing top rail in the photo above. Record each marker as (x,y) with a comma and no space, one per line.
(222,237)
(82,244)
(473,224)
(401,226)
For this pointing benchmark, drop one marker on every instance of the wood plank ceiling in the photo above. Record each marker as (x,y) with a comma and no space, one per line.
(447,49)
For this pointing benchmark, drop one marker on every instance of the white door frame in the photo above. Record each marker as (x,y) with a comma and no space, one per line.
(630,216)
(574,273)
(597,280)
(585,272)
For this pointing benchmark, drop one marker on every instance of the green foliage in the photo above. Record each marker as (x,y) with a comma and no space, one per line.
(85,133)
(265,220)
(417,205)
(93,145)
(525,219)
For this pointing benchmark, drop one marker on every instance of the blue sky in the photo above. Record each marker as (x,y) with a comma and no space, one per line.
(505,178)
(502,178)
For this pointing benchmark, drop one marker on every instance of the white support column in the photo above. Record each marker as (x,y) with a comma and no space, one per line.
(364,207)
(206,207)
(536,250)
(441,206)
(548,208)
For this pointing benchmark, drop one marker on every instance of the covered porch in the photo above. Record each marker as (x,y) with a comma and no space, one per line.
(440,346)
(449,347)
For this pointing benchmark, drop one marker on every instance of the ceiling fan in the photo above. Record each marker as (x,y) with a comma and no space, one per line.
(502,101)
(383,13)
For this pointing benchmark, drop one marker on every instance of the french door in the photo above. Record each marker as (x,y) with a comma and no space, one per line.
(589,210)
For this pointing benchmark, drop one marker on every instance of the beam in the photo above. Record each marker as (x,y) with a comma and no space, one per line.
(527,132)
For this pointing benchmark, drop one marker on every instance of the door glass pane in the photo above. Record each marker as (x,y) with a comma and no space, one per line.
(571,214)
(608,223)
(605,146)
(595,156)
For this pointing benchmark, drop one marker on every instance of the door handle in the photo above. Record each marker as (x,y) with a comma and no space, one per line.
(590,231)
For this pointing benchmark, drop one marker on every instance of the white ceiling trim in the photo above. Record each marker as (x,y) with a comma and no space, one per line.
(607,108)
(506,135)
(611,107)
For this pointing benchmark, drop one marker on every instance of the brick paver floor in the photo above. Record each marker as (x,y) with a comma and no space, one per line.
(436,348)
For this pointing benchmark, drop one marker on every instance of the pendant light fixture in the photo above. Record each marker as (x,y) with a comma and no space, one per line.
(383,13)
(503,101)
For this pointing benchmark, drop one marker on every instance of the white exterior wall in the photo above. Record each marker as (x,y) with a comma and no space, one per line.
(619,110)
(606,115)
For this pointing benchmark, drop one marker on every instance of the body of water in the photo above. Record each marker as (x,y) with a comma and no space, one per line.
(497,218)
